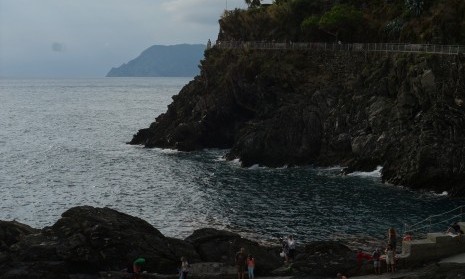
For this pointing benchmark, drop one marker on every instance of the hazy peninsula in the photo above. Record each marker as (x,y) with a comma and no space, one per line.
(163,61)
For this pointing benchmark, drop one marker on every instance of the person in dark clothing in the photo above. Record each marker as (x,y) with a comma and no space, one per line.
(241,263)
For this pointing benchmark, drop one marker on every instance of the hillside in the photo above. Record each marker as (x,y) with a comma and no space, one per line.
(163,61)
(276,107)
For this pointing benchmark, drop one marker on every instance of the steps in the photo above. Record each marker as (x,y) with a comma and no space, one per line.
(435,247)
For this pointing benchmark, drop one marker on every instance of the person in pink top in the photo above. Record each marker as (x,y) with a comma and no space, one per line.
(251,266)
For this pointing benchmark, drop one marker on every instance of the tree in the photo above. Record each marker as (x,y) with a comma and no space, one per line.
(341,18)
(252,3)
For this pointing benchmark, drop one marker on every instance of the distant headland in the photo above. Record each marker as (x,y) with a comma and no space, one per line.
(163,61)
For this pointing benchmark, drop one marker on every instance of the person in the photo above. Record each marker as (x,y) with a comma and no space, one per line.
(340,276)
(250,266)
(392,238)
(390,258)
(408,236)
(184,268)
(455,229)
(376,261)
(291,245)
(285,245)
(361,256)
(241,263)
(137,267)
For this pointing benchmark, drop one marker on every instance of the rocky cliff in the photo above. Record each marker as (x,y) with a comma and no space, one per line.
(404,112)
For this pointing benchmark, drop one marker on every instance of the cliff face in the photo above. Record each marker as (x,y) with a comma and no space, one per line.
(401,111)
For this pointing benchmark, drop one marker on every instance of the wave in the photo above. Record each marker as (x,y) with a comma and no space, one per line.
(375,174)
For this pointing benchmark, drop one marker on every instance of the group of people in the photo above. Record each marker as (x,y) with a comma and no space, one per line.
(244,262)
(389,252)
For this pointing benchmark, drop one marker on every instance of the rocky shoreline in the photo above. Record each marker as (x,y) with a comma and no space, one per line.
(89,243)
(86,241)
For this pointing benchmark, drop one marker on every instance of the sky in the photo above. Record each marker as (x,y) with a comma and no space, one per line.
(86,38)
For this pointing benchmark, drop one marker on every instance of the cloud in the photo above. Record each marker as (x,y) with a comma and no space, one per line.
(204,12)
(75,37)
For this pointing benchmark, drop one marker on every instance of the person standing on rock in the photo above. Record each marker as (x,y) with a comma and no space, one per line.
(241,263)
(376,261)
(392,239)
(390,258)
(285,244)
(251,266)
(184,268)
(291,245)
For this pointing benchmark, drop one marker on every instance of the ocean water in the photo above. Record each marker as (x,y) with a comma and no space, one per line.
(62,144)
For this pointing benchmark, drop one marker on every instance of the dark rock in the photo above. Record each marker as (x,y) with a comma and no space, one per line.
(87,240)
(11,232)
(401,111)
(221,246)
(321,258)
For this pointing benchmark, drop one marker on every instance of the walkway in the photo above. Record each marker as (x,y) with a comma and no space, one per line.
(457,259)
(356,47)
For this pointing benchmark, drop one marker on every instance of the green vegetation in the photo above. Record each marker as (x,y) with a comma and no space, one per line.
(253,3)
(413,21)
(342,19)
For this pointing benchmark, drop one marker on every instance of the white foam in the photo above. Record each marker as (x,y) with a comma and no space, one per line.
(236,161)
(333,168)
(167,150)
(254,167)
(376,173)
(443,194)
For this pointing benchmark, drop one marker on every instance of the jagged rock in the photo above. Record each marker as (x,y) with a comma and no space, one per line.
(91,243)
(87,240)
(359,110)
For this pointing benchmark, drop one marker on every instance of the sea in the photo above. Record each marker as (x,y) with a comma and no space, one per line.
(63,144)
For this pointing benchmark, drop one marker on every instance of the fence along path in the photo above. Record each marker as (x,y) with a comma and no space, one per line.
(371,47)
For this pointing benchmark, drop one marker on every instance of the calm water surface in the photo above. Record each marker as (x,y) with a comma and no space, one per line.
(62,144)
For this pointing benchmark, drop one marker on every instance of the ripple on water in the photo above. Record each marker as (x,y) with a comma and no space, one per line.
(63,146)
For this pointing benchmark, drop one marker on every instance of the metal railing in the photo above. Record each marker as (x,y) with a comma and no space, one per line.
(438,222)
(369,47)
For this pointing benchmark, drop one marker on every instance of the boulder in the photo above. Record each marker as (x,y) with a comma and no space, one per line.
(221,246)
(324,258)
(86,240)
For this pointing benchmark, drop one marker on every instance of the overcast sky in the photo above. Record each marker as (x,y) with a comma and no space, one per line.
(85,38)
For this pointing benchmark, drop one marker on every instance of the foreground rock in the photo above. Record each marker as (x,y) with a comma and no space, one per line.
(86,241)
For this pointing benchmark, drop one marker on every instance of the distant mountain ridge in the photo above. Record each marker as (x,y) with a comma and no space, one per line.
(180,60)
